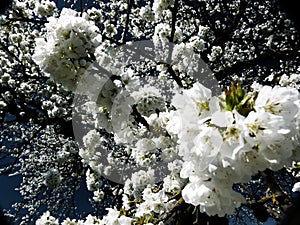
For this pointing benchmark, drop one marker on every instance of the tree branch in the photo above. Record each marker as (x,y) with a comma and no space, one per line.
(130,4)
(174,17)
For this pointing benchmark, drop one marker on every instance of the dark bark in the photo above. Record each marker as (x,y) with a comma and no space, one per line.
(4,4)
(292,216)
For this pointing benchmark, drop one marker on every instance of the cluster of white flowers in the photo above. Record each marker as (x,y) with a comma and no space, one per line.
(221,147)
(218,145)
(112,218)
(115,111)
(173,183)
(153,203)
(146,143)
(150,202)
(138,182)
(90,154)
(204,145)
(159,5)
(44,8)
(92,181)
(68,47)
(162,33)
(291,81)
(46,218)
(94,15)
(216,51)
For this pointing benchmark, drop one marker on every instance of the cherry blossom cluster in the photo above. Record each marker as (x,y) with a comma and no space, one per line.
(209,143)
(111,218)
(171,148)
(221,141)
(220,147)
(116,110)
(68,47)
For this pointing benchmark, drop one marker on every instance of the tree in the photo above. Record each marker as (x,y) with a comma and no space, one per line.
(107,98)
